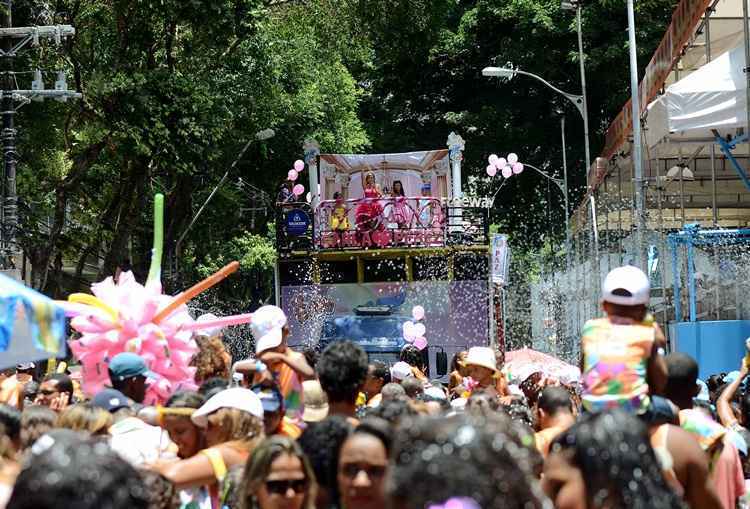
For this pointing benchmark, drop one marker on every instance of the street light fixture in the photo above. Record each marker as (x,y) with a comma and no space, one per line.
(498,72)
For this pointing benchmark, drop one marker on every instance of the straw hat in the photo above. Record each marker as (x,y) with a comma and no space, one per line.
(481,356)
(316,401)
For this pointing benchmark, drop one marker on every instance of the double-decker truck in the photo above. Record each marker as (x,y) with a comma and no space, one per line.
(384,234)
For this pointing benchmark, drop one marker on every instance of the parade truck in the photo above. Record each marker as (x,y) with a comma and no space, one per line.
(383,234)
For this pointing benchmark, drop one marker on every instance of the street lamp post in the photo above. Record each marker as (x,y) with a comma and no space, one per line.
(576,5)
(637,157)
(567,205)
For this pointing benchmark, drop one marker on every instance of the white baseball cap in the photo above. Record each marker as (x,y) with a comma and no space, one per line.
(236,397)
(627,286)
(400,371)
(266,327)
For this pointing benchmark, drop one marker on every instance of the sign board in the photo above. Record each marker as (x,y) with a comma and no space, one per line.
(499,258)
(297,222)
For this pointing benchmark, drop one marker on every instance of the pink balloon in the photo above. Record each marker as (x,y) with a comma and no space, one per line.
(417,312)
(298,189)
(517,168)
(299,165)
(492,159)
(512,158)
(292,175)
(507,172)
(420,343)
(226,321)
(408,328)
(491,171)
(501,163)
(419,329)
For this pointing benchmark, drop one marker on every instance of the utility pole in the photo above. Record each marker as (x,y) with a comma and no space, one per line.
(640,197)
(14,39)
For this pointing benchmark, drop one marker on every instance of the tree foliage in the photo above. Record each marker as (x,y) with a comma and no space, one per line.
(173,90)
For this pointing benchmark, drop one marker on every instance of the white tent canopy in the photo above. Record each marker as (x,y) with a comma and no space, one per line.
(712,97)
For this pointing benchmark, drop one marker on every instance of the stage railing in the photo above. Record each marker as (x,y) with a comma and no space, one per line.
(379,223)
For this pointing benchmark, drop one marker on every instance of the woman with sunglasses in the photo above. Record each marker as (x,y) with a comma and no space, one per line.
(363,464)
(278,476)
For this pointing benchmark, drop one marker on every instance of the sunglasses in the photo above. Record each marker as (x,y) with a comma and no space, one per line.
(281,487)
(373,471)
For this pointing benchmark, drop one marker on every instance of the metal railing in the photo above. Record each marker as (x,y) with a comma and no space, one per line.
(379,223)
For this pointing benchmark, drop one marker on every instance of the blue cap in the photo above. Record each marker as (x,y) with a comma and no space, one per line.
(128,365)
(426,187)
(270,397)
(110,400)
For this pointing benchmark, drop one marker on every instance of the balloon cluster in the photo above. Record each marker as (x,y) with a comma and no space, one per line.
(292,175)
(414,331)
(126,316)
(508,167)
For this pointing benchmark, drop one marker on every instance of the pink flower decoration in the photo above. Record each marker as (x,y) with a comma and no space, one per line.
(166,349)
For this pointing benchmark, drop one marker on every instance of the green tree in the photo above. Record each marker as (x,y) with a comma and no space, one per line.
(171,93)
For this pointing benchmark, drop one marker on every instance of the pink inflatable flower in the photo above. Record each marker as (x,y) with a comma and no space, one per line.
(119,318)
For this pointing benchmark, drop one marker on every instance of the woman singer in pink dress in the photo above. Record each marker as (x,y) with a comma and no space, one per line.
(368,214)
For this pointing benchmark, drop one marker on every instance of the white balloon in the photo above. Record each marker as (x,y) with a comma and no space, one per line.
(417,312)
(507,172)
(512,158)
(419,330)
(408,328)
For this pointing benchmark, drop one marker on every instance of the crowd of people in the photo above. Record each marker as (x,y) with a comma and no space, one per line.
(333,429)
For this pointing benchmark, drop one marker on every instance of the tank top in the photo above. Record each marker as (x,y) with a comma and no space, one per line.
(291,388)
(615,363)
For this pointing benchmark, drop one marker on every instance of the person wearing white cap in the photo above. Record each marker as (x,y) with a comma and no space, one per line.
(622,362)
(274,358)
(233,424)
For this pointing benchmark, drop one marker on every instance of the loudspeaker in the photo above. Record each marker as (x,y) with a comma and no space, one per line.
(441,362)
